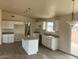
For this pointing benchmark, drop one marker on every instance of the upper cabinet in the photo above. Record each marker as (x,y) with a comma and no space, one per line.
(10,24)
(11,19)
(7,25)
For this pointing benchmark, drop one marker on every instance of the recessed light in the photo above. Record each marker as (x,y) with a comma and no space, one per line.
(29,8)
(12,16)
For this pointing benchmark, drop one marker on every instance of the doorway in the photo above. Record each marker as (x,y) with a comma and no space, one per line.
(74,40)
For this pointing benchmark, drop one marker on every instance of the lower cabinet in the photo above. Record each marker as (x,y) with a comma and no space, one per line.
(50,42)
(8,38)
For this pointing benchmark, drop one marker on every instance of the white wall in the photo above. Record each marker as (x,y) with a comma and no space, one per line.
(19,29)
(19,32)
(0,25)
(64,33)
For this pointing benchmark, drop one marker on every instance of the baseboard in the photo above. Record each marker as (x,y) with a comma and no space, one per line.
(62,52)
(68,53)
(49,48)
(1,44)
(45,47)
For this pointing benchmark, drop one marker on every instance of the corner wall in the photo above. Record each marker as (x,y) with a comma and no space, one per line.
(0,25)
(64,33)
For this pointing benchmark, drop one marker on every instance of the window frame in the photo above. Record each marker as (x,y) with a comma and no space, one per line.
(45,26)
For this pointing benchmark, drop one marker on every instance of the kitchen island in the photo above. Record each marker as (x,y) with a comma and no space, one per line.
(30,45)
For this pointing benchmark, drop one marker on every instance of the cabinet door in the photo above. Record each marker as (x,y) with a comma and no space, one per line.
(44,40)
(10,38)
(11,25)
(7,25)
(5,38)
(48,42)
(54,44)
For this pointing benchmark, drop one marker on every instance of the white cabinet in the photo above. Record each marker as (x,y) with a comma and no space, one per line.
(7,25)
(36,35)
(8,38)
(50,42)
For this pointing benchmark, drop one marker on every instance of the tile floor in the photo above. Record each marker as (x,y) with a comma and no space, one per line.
(15,51)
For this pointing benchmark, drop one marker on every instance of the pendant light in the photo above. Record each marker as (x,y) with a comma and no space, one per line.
(72,21)
(27,23)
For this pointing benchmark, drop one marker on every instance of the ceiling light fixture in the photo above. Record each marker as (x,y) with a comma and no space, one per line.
(72,21)
(28,12)
(27,23)
(12,16)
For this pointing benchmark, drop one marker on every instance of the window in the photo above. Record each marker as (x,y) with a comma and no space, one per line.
(48,26)
(44,25)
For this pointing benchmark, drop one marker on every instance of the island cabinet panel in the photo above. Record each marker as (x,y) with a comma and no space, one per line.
(30,46)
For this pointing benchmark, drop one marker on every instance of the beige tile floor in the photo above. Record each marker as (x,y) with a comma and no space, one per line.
(15,51)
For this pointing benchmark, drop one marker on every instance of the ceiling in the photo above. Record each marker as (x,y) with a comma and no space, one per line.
(39,8)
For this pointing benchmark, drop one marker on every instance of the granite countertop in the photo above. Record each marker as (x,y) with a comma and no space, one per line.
(30,38)
(54,35)
(36,31)
(7,32)
(47,34)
